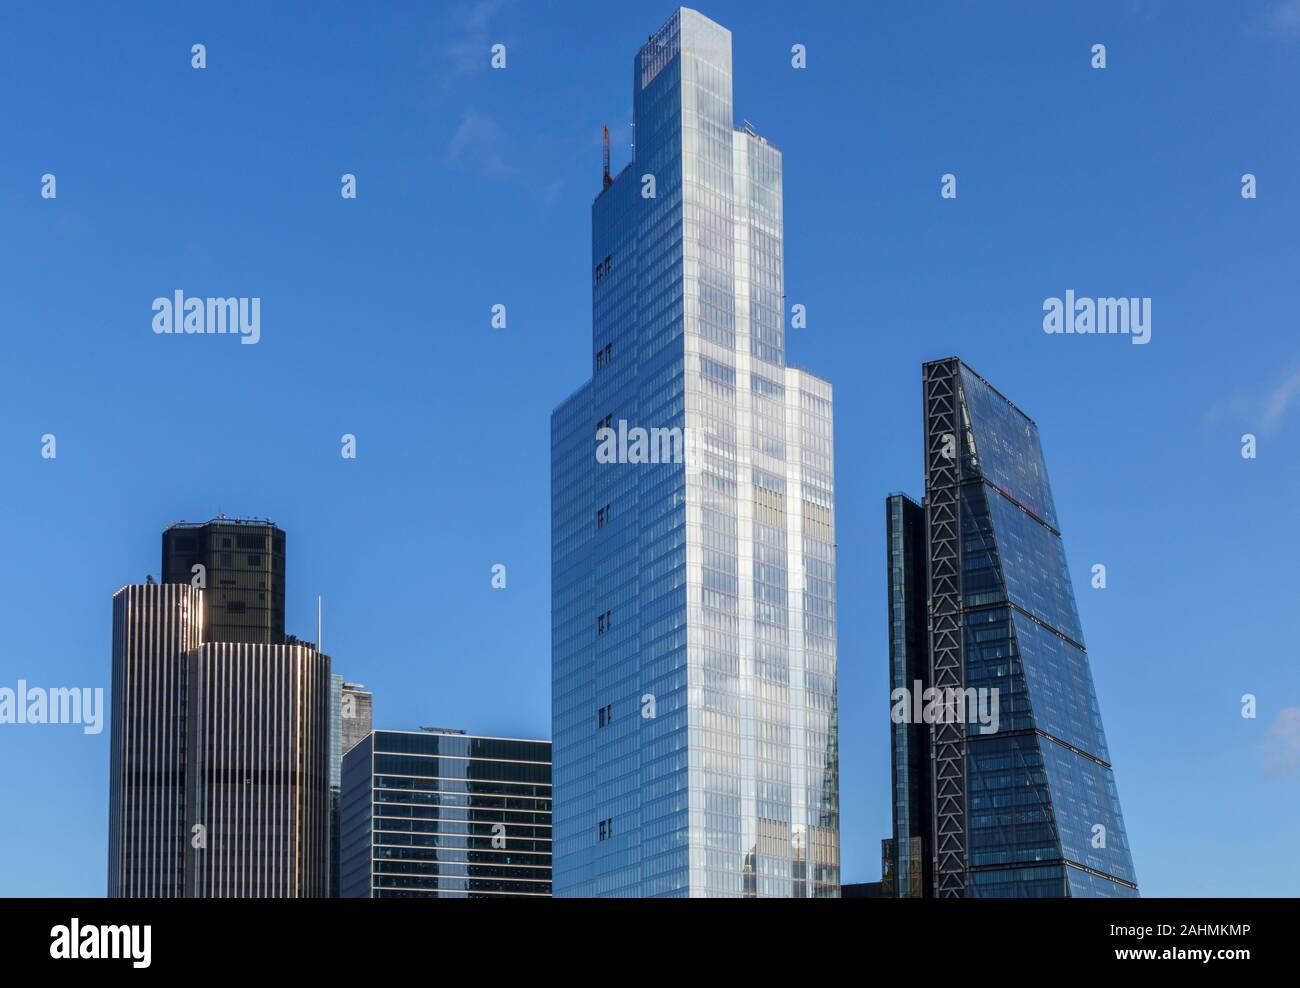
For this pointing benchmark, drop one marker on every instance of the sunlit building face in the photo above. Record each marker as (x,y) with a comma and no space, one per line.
(693,619)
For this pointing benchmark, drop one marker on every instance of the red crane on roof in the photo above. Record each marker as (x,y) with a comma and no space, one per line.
(605,139)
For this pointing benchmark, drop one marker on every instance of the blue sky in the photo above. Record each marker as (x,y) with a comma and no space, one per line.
(474,188)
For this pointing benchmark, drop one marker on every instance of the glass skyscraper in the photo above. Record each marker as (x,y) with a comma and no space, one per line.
(443,814)
(906,871)
(980,599)
(693,618)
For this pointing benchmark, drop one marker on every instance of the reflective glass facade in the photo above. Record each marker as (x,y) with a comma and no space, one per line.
(445,815)
(1030,810)
(906,872)
(693,618)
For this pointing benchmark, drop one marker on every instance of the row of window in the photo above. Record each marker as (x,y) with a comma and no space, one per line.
(193,543)
(226,560)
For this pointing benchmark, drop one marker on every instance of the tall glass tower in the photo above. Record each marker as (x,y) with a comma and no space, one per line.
(980,599)
(906,871)
(693,618)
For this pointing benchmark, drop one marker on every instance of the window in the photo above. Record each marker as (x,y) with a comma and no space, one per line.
(605,357)
(603,516)
(234,607)
(606,828)
(605,715)
(254,560)
(604,622)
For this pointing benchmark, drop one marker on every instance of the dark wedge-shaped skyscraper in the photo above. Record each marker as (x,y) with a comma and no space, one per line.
(1002,782)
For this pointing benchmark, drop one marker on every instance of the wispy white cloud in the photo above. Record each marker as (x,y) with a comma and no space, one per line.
(469,49)
(1281,398)
(1286,17)
(1279,20)
(1260,406)
(1282,748)
(482,144)
(1146,10)
(539,163)
(475,16)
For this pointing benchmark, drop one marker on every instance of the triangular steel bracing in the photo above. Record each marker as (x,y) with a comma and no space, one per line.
(942,391)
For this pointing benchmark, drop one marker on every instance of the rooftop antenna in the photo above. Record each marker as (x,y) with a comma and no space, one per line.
(605,142)
(319,647)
